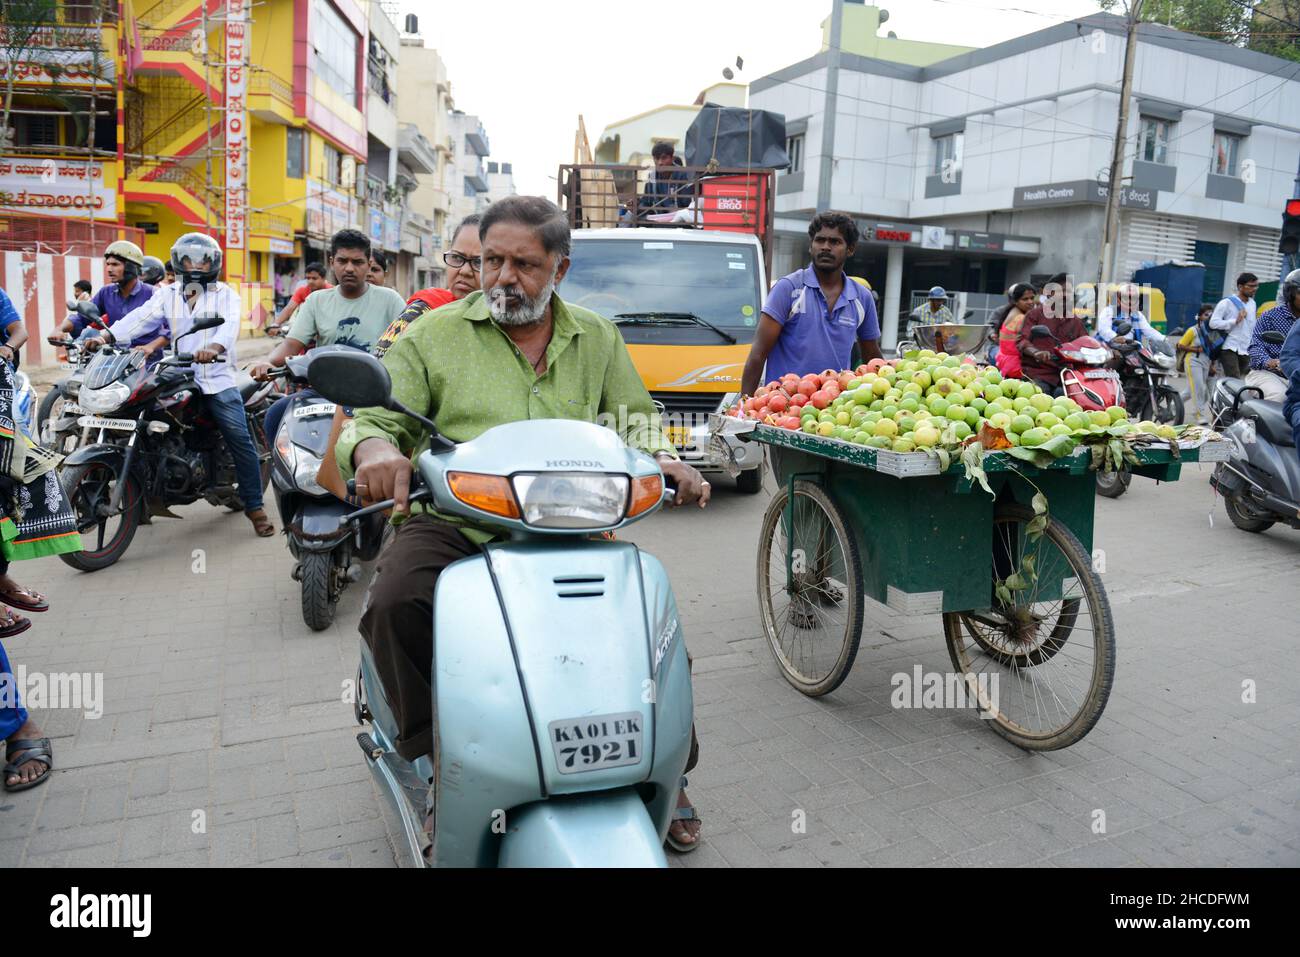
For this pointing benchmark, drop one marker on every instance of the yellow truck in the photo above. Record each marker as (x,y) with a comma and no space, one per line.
(686,295)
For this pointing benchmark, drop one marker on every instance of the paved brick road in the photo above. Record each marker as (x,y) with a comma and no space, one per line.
(218,700)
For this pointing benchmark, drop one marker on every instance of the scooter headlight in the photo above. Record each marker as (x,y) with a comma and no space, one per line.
(107,399)
(302,464)
(572,499)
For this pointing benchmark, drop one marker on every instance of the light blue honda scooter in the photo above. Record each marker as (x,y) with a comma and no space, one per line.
(562,699)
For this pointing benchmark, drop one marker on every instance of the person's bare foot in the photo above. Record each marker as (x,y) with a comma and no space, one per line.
(30,770)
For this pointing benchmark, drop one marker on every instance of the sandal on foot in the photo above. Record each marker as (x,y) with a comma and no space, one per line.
(261,524)
(33,749)
(25,599)
(11,624)
(683,815)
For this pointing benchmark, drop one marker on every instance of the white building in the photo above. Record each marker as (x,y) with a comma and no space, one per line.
(1001,149)
(466,175)
(630,140)
(501,180)
(425,104)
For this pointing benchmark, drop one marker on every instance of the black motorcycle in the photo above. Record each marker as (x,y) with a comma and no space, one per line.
(1146,368)
(327,551)
(56,417)
(155,445)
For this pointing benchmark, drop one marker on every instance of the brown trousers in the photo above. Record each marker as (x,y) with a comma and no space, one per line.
(397,625)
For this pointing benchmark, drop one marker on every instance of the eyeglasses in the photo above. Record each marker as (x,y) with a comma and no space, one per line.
(456,261)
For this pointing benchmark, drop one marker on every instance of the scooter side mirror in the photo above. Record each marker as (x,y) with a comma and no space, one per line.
(206,322)
(1041,332)
(350,377)
(1273,337)
(1123,328)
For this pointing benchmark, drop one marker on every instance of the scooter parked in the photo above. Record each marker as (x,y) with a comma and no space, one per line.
(562,717)
(1260,481)
(328,553)
(1086,377)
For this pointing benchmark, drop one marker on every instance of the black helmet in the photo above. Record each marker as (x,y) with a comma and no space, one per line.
(152,272)
(196,258)
(1290,286)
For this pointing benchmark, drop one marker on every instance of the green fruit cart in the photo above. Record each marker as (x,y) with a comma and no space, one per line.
(1009,567)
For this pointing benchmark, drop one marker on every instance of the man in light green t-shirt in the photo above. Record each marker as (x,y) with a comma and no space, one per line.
(353,313)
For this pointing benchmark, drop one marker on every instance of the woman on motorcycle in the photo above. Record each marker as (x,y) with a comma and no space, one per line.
(1022,300)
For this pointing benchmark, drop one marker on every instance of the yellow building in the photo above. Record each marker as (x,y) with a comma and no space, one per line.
(305,131)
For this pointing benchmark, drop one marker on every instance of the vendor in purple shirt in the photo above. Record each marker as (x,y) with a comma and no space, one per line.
(125,291)
(813,316)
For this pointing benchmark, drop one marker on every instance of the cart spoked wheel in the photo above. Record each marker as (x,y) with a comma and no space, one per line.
(1040,665)
(810,588)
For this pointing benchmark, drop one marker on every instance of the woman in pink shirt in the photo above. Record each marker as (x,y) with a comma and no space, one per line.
(1022,300)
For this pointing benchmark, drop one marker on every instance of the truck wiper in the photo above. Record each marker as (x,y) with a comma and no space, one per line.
(652,317)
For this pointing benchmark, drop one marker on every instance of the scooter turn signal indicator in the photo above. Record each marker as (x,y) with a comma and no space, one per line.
(646,493)
(487,493)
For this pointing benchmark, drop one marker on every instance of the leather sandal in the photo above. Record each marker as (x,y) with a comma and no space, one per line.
(684,815)
(11,624)
(25,599)
(261,524)
(18,753)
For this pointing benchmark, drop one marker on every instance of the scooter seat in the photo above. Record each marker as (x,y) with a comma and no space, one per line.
(1233,386)
(1270,423)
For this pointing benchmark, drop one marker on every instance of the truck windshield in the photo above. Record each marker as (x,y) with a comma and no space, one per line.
(718,282)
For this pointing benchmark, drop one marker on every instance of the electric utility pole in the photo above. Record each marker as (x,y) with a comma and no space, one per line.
(1116,184)
(828,113)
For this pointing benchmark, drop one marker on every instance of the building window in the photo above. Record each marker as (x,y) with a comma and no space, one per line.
(1223,158)
(36,130)
(794,149)
(333,165)
(470,191)
(1153,146)
(946,151)
(294,144)
(337,48)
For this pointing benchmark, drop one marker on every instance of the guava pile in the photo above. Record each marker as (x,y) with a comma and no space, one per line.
(931,400)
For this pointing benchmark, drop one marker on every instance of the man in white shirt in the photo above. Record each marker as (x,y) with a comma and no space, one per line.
(1125,309)
(1236,316)
(172,313)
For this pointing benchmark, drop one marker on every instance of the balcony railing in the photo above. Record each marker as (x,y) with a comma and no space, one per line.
(269,224)
(268,84)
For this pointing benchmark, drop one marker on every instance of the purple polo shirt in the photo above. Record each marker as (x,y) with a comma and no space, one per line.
(111,303)
(811,340)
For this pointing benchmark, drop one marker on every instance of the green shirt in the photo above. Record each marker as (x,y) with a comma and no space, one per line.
(459,368)
(332,320)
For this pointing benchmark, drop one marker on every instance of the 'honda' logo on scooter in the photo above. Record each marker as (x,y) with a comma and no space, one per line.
(573,464)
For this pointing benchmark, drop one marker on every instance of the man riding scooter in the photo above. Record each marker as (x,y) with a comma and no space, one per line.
(543,359)
(1038,361)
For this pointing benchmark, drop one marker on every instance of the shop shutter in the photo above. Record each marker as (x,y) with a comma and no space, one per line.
(1151,238)
(1259,253)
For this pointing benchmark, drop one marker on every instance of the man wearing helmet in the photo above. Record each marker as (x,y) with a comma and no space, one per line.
(125,291)
(153,272)
(1266,359)
(171,314)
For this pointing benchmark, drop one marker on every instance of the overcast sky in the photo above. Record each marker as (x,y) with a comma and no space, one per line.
(529,68)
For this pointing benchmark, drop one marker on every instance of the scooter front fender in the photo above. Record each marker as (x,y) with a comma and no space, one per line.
(600,829)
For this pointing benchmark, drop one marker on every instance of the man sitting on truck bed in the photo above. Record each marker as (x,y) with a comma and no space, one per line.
(667,189)
(813,316)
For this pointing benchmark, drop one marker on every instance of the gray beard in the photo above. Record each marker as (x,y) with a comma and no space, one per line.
(529,312)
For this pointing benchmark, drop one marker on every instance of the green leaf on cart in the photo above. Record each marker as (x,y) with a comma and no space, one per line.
(1027,569)
(1059,445)
(1037,525)
(1016,582)
(1040,504)
(972,459)
(1003,593)
(1033,455)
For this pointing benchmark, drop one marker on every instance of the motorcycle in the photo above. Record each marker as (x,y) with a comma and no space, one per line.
(327,553)
(1260,481)
(1145,372)
(155,446)
(563,709)
(56,417)
(1088,379)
